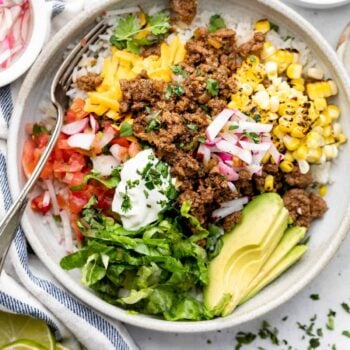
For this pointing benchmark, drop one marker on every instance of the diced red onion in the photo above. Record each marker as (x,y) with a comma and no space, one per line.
(241,115)
(228,171)
(104,164)
(106,138)
(117,152)
(275,154)
(67,230)
(225,157)
(94,124)
(304,166)
(229,207)
(204,151)
(75,127)
(46,199)
(231,137)
(52,192)
(218,123)
(81,140)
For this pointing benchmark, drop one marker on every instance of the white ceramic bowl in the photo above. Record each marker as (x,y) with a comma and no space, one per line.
(40,29)
(319,4)
(327,234)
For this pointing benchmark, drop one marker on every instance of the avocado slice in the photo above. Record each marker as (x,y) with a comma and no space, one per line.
(290,239)
(290,259)
(245,250)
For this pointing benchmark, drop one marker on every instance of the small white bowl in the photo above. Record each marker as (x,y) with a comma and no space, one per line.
(40,28)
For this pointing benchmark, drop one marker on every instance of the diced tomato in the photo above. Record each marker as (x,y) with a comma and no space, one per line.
(74,179)
(77,201)
(28,158)
(38,205)
(104,199)
(76,111)
(133,149)
(61,201)
(121,141)
(75,163)
(41,140)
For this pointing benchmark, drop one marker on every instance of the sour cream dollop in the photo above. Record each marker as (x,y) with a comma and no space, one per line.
(141,193)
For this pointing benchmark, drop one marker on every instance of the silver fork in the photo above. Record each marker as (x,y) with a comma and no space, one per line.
(59,87)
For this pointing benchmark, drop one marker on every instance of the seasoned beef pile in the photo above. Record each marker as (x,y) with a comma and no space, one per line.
(173,118)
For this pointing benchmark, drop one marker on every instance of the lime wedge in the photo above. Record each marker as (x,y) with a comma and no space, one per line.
(18,327)
(59,346)
(23,344)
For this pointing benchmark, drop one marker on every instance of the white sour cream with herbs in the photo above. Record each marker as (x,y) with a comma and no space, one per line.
(140,195)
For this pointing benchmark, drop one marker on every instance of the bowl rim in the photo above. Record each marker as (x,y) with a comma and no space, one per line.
(118,313)
(40,29)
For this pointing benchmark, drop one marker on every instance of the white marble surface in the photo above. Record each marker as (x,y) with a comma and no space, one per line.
(332,285)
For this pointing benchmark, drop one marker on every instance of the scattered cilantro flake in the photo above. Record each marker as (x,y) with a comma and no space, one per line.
(168,92)
(252,136)
(201,139)
(233,127)
(126,203)
(213,87)
(244,339)
(159,23)
(176,89)
(285,318)
(334,347)
(314,297)
(267,332)
(330,322)
(153,124)
(125,129)
(274,26)
(346,307)
(178,70)
(216,22)
(314,343)
(192,127)
(288,37)
(319,332)
(132,184)
(38,129)
(146,193)
(257,117)
(346,334)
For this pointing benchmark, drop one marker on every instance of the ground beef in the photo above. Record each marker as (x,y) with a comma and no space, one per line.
(304,207)
(184,10)
(231,220)
(253,46)
(297,179)
(269,169)
(89,82)
(151,50)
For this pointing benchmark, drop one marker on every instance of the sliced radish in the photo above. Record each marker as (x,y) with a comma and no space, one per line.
(231,186)
(241,153)
(225,157)
(204,151)
(218,123)
(104,164)
(94,124)
(106,138)
(52,192)
(83,141)
(75,127)
(46,199)
(259,147)
(230,207)
(119,152)
(228,171)
(275,154)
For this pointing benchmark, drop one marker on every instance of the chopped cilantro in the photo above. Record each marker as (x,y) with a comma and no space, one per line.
(125,129)
(171,192)
(266,331)
(216,22)
(319,332)
(274,26)
(192,127)
(314,343)
(146,193)
(314,297)
(125,34)
(126,203)
(330,322)
(132,184)
(201,139)
(213,87)
(38,129)
(346,307)
(253,136)
(233,127)
(346,333)
(244,338)
(178,70)
(288,37)
(257,117)
(176,89)
(153,124)
(285,318)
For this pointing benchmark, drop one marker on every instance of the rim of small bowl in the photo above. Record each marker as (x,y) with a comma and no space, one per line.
(40,28)
(325,4)
(144,321)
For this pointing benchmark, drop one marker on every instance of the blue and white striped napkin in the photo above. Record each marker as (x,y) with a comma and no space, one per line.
(27,287)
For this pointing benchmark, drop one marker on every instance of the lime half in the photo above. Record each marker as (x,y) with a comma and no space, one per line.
(23,345)
(18,327)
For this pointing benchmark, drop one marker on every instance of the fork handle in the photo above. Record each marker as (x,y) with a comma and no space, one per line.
(11,220)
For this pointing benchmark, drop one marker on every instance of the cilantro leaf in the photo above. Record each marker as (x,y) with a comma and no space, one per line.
(192,127)
(178,70)
(38,129)
(159,23)
(213,87)
(346,334)
(125,129)
(216,22)
(126,29)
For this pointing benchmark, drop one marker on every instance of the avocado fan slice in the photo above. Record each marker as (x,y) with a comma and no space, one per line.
(290,259)
(290,239)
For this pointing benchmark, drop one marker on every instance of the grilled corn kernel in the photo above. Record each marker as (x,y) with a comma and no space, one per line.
(314,155)
(324,119)
(297,131)
(300,153)
(333,111)
(318,129)
(271,69)
(274,103)
(298,84)
(285,123)
(320,103)
(330,151)
(341,138)
(286,166)
(314,140)
(327,131)
(291,143)
(333,87)
(266,158)
(288,156)
(329,140)
(247,89)
(294,71)
(337,128)
(269,183)
(315,73)
(322,190)
(320,89)
(268,50)
(215,43)
(278,132)
(262,99)
(263,25)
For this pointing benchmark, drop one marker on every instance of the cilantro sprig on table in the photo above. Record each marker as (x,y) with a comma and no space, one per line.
(132,34)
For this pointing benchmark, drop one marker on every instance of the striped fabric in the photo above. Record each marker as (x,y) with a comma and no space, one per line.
(27,286)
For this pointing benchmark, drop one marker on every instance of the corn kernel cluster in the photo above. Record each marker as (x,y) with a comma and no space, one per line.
(278,89)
